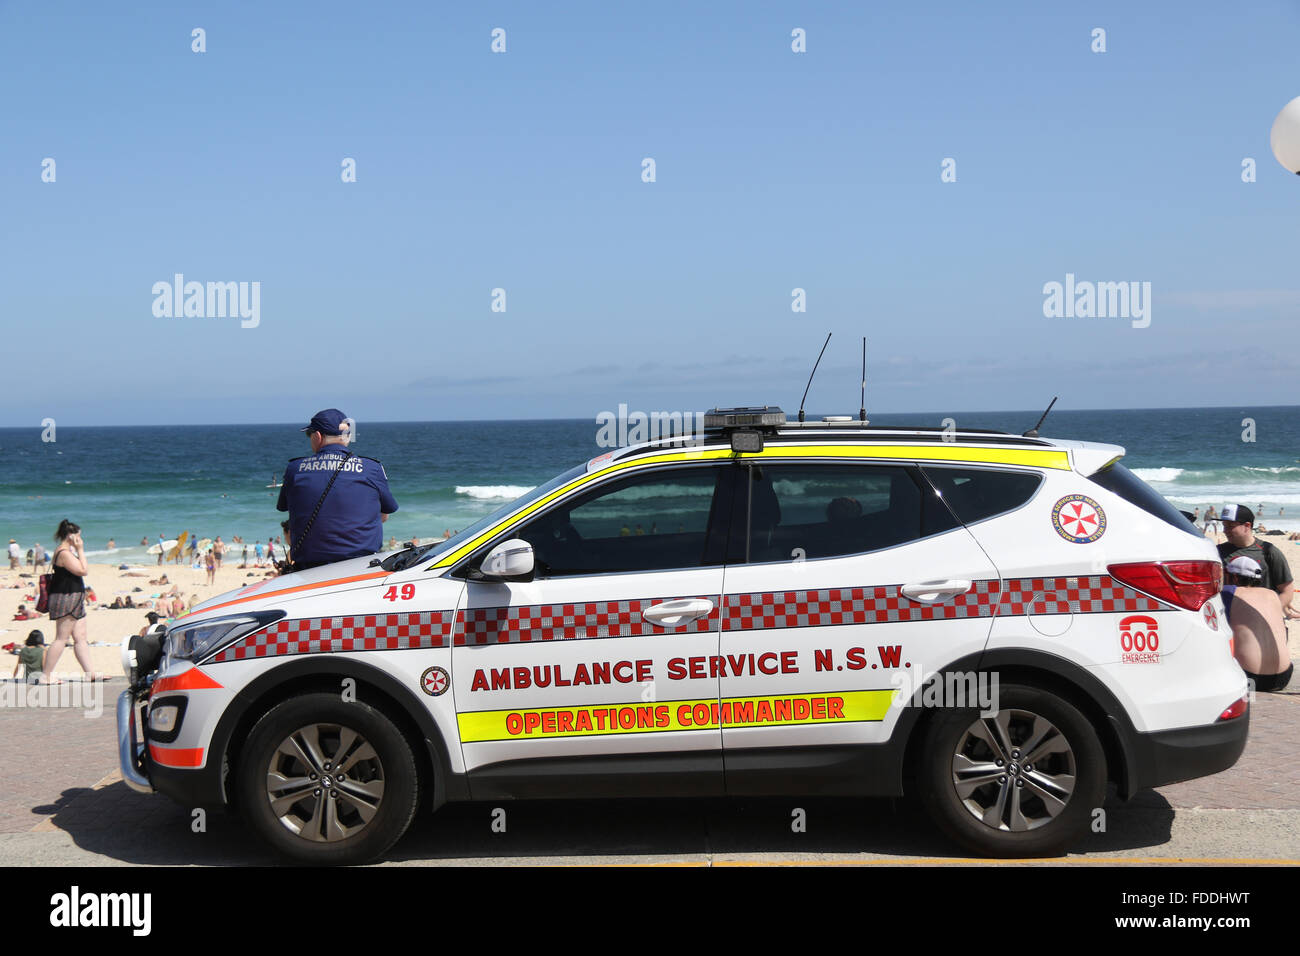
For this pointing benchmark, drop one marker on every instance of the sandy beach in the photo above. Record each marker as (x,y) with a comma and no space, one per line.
(106,628)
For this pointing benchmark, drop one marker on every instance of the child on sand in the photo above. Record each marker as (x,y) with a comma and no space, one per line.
(32,657)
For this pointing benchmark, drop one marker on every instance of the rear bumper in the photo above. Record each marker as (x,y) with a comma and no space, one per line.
(1170,756)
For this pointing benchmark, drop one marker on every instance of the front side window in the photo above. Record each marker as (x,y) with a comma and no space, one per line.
(808,511)
(649,522)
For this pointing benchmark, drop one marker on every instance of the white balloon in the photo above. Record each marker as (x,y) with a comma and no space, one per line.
(1285,138)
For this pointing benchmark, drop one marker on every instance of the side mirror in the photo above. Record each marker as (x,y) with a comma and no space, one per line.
(508,560)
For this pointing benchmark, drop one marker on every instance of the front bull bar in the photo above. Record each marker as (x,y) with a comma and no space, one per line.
(130,752)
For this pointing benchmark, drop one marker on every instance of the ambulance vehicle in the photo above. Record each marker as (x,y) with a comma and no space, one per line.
(999,626)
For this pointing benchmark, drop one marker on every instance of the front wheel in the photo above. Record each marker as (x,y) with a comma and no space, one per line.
(1021,783)
(328,782)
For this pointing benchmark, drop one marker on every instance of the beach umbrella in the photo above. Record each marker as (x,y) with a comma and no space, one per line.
(1285,137)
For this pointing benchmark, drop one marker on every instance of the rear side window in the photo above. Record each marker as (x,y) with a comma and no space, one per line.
(975,494)
(1134,490)
(824,511)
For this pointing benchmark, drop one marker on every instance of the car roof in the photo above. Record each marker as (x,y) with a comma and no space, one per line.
(831,439)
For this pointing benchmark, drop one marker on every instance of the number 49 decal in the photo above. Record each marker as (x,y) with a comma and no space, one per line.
(407,592)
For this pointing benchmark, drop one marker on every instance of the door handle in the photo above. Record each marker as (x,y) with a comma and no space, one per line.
(934,592)
(677,613)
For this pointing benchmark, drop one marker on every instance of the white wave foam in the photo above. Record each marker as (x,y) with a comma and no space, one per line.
(1276,470)
(507,492)
(1158,474)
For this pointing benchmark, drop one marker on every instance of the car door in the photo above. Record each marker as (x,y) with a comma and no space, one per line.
(587,679)
(852,584)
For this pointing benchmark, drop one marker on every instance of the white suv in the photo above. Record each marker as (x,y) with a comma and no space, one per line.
(997,624)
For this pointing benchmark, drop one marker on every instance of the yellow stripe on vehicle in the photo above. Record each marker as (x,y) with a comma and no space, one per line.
(1030,457)
(595,720)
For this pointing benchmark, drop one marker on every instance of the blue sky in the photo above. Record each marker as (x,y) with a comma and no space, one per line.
(522,171)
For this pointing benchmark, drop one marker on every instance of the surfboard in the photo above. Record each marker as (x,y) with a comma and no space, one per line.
(165,546)
(175,552)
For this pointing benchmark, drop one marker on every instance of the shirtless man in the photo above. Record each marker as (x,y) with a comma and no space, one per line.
(1258,629)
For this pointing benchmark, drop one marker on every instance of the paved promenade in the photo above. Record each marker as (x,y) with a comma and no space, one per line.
(62,802)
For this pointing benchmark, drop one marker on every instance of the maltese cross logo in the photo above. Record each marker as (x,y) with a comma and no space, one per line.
(1079,519)
(435,681)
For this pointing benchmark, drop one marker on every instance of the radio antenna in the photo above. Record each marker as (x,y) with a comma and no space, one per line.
(1033,432)
(814,372)
(862,412)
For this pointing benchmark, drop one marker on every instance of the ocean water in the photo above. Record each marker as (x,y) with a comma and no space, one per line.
(130,482)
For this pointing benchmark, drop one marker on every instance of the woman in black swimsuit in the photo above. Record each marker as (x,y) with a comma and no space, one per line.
(67,595)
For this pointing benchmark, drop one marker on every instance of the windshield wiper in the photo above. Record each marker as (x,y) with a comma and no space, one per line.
(403,559)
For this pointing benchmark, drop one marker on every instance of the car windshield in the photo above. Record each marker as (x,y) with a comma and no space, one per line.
(487,521)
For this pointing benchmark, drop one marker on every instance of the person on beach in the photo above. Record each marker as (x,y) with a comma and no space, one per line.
(39,557)
(67,596)
(350,512)
(1259,637)
(15,555)
(23,614)
(1209,520)
(154,624)
(257,555)
(210,562)
(270,551)
(1238,527)
(219,551)
(162,548)
(32,657)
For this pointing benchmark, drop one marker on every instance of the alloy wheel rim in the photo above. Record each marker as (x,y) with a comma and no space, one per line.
(1014,771)
(325,782)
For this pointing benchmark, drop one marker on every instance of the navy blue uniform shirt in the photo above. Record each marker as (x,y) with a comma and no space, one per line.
(349,523)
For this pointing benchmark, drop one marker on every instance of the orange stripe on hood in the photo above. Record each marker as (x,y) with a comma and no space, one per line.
(370,575)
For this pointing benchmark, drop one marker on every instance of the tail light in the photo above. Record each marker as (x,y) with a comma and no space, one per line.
(1186,584)
(1236,710)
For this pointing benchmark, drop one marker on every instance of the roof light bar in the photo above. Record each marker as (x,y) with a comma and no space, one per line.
(752,416)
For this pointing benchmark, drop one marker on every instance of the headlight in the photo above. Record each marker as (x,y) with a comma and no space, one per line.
(195,641)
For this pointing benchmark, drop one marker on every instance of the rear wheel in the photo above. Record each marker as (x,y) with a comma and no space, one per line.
(328,782)
(1023,782)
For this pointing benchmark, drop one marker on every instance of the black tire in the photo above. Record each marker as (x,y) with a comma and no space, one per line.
(1034,812)
(373,802)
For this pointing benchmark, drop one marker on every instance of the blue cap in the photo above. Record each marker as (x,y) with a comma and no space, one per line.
(327,422)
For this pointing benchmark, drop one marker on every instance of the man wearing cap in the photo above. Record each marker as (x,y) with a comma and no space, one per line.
(15,554)
(351,514)
(1238,526)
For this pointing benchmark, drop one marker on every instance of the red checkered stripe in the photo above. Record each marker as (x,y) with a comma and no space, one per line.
(567,622)
(1095,594)
(1091,594)
(361,632)
(837,606)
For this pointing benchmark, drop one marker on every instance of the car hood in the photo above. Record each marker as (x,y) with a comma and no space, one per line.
(258,595)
